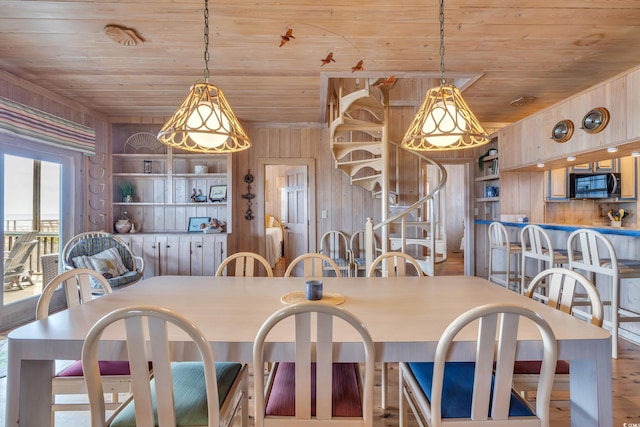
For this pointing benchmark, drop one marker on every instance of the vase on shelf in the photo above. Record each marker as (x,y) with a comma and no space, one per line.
(123,226)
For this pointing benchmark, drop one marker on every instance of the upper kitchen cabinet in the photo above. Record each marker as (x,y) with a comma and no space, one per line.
(529,141)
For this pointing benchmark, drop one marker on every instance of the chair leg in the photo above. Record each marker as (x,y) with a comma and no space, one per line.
(383,375)
(615,313)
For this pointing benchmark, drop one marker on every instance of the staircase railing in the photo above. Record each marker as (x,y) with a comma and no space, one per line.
(429,200)
(338,117)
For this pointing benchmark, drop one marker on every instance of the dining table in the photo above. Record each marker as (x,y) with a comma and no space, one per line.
(404,315)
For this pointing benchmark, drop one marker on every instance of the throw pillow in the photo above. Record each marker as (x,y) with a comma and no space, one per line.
(108,261)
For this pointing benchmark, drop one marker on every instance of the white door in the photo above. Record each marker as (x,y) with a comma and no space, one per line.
(296,230)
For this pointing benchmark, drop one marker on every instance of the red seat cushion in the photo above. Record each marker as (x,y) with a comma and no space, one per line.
(346,400)
(107,367)
(533,367)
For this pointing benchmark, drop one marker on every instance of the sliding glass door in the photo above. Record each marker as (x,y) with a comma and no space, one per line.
(33,221)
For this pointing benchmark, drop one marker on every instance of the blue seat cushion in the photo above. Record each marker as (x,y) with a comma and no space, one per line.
(457,390)
(189,393)
(346,399)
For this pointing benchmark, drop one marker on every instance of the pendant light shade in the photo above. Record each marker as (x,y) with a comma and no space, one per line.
(444,121)
(204,122)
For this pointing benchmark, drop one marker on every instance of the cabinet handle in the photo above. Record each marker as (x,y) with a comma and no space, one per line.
(198,245)
(153,247)
(168,246)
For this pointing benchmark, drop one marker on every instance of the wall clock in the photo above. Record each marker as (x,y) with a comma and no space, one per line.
(596,120)
(562,131)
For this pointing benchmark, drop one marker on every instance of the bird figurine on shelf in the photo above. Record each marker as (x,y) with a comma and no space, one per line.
(328,59)
(287,37)
(358,66)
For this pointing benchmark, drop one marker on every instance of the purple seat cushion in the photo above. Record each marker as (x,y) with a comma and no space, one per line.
(533,367)
(346,400)
(107,367)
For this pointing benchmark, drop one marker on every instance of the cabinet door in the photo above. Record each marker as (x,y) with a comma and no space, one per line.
(606,165)
(213,251)
(585,167)
(628,178)
(175,251)
(151,255)
(197,255)
(558,184)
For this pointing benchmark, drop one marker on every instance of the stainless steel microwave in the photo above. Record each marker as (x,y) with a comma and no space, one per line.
(594,185)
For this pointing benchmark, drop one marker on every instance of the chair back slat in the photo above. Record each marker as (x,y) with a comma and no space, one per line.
(506,355)
(245,265)
(394,264)
(141,389)
(303,365)
(483,374)
(324,366)
(313,265)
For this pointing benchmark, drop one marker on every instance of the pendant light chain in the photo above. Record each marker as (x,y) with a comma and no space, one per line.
(442,82)
(206,41)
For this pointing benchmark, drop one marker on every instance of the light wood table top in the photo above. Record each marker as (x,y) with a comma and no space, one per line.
(405,317)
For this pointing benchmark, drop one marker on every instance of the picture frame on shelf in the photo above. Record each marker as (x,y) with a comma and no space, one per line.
(198,224)
(218,193)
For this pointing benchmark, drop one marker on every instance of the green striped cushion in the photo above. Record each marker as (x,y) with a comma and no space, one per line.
(189,392)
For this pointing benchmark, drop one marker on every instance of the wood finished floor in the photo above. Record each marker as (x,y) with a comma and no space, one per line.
(626,388)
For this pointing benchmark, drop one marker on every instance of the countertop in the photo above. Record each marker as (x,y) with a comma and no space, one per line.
(622,231)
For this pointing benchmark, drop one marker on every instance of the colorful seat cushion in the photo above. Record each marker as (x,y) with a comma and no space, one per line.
(107,367)
(346,400)
(457,391)
(190,395)
(532,367)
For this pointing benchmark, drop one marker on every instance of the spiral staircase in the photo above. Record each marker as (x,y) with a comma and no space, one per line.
(361,149)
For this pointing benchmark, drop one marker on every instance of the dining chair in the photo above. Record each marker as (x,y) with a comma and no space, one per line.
(499,243)
(357,251)
(246,264)
(198,393)
(592,253)
(562,285)
(394,264)
(77,288)
(106,253)
(335,245)
(313,390)
(385,265)
(313,265)
(479,393)
(536,246)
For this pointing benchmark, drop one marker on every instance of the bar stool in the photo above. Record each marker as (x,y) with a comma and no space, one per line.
(591,252)
(499,242)
(536,245)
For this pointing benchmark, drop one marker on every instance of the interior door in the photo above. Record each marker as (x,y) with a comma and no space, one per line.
(296,230)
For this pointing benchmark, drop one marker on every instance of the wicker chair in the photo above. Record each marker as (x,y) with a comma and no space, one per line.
(83,250)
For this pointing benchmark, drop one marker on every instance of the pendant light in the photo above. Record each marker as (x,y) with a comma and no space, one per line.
(204,122)
(444,121)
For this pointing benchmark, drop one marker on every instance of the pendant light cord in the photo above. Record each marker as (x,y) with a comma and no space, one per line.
(442,82)
(206,41)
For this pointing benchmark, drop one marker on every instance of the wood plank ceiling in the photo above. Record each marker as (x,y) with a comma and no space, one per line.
(503,49)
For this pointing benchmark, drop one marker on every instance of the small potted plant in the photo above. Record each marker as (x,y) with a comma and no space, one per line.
(128,191)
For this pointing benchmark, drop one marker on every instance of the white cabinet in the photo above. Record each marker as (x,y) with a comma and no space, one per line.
(628,178)
(178,254)
(558,184)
